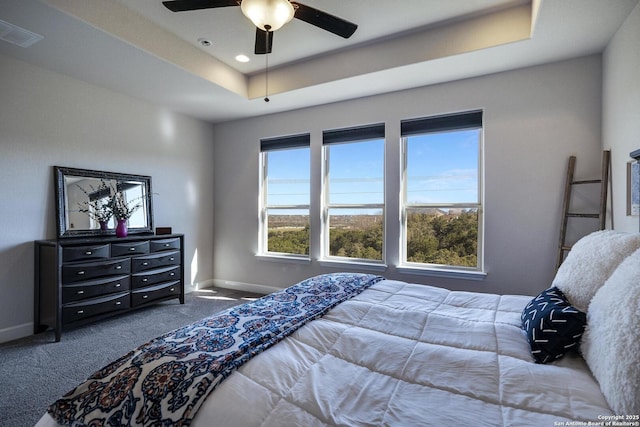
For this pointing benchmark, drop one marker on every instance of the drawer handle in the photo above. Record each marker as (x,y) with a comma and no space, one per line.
(118,302)
(80,312)
(145,280)
(118,267)
(80,273)
(172,259)
(132,249)
(145,296)
(80,292)
(172,274)
(88,253)
(118,285)
(172,289)
(145,263)
(166,245)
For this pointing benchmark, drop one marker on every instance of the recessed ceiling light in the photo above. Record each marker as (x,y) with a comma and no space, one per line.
(205,42)
(242,58)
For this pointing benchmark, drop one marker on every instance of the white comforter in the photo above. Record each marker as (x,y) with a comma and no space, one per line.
(406,355)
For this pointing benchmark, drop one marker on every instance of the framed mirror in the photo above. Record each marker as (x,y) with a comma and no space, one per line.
(84,199)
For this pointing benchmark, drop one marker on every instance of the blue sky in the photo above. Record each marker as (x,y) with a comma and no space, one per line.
(289,172)
(442,168)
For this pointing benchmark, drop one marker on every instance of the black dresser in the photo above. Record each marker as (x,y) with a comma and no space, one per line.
(83,280)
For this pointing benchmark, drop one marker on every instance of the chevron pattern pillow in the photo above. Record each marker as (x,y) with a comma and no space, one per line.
(552,325)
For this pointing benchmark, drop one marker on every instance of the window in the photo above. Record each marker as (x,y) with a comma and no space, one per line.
(442,191)
(284,210)
(353,214)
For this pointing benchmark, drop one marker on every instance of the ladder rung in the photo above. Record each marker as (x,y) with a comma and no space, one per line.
(587,181)
(583,215)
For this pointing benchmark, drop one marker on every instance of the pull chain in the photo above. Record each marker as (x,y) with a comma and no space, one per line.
(266,57)
(266,79)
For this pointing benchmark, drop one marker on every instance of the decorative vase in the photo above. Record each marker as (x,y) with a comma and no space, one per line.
(104,225)
(121,228)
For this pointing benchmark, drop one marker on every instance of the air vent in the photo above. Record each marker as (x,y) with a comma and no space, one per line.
(17,35)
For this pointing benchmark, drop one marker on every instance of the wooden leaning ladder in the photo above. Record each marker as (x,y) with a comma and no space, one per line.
(563,248)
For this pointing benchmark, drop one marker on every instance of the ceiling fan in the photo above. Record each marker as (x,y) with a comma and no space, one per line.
(270,15)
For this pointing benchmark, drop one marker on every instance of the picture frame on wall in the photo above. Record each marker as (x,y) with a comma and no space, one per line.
(633,188)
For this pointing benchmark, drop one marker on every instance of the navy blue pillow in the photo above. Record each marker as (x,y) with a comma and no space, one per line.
(553,326)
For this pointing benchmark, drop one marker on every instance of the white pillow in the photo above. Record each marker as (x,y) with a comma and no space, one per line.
(611,342)
(590,263)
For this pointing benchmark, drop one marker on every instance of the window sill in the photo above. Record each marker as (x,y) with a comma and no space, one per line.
(378,267)
(443,272)
(295,259)
(353,265)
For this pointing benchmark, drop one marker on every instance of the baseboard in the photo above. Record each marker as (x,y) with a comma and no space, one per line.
(201,284)
(241,286)
(15,332)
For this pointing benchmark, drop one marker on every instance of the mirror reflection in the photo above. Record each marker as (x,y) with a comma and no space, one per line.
(90,202)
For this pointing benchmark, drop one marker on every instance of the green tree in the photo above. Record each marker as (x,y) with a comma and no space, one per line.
(363,243)
(432,238)
(289,241)
(448,239)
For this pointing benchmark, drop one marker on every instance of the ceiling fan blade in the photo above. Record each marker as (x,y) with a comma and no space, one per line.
(264,42)
(184,5)
(324,20)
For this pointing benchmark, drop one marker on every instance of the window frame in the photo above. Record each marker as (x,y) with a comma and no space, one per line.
(430,125)
(350,135)
(290,142)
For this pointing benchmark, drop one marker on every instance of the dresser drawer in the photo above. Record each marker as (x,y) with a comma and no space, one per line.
(92,307)
(132,248)
(142,296)
(147,278)
(90,270)
(165,244)
(149,262)
(94,288)
(80,253)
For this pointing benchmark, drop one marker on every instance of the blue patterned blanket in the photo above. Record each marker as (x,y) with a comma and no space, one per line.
(164,382)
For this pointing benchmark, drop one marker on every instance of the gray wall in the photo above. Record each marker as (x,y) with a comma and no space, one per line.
(621,110)
(47,119)
(534,119)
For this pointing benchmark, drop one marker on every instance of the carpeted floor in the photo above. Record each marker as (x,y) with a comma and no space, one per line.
(36,370)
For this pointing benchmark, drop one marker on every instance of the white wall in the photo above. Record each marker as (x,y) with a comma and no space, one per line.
(621,110)
(47,119)
(534,119)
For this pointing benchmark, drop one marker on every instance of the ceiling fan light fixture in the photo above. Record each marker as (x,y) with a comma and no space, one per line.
(268,15)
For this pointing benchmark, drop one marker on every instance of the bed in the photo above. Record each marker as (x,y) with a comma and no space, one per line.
(362,350)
